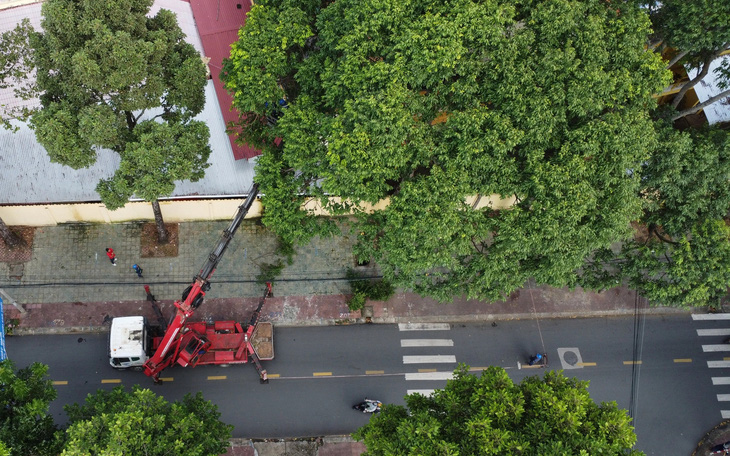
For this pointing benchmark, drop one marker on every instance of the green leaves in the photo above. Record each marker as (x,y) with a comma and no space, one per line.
(25,425)
(140,422)
(490,415)
(161,154)
(424,104)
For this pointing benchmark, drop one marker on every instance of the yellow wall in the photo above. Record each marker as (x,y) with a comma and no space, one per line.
(172,212)
(177,211)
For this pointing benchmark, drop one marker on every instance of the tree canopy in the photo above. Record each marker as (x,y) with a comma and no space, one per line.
(424,103)
(140,422)
(680,254)
(111,77)
(491,415)
(26,428)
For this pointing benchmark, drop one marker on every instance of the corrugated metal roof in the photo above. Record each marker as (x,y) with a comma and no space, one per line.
(27,175)
(9,18)
(218,23)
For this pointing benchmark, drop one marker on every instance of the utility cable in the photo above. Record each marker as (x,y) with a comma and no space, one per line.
(639,331)
(534,311)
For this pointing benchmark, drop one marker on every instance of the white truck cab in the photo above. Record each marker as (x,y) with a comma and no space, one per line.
(128,342)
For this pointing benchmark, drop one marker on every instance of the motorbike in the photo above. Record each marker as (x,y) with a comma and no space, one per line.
(722,448)
(368,406)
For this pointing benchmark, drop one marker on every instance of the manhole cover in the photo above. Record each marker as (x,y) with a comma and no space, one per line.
(570,358)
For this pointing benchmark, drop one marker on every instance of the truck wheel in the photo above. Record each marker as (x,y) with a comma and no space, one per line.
(138,368)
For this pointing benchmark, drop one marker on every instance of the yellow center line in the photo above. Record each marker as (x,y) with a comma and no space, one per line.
(586,364)
(477,369)
(426,370)
(111,380)
(374,372)
(322,374)
(273,375)
(727,358)
(682,360)
(167,379)
(628,363)
(217,377)
(60,382)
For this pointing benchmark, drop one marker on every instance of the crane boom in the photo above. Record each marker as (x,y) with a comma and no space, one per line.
(193,295)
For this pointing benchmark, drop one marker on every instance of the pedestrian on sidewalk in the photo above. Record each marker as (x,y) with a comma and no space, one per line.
(138,270)
(112,256)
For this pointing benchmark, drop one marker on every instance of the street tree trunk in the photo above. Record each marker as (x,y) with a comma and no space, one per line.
(11,239)
(162,237)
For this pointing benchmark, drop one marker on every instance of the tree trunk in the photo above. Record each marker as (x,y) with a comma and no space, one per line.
(161,231)
(700,106)
(11,239)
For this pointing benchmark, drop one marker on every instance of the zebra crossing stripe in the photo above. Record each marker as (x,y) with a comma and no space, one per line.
(718,316)
(721,380)
(723,397)
(425,392)
(718,364)
(725,414)
(423,326)
(429,375)
(428,359)
(429,343)
(716,348)
(714,332)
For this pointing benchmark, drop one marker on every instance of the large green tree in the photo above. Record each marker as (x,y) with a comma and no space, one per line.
(111,77)
(142,423)
(425,103)
(680,255)
(490,415)
(26,428)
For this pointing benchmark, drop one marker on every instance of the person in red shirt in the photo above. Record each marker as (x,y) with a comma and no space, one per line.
(112,256)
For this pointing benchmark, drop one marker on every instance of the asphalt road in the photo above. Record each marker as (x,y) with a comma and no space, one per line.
(319,372)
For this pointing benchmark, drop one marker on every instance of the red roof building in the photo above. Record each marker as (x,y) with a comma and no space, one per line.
(218,23)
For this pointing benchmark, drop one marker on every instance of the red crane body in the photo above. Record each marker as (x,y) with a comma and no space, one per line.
(223,342)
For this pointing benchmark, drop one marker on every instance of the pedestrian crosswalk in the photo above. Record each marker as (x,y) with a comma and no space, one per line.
(717,350)
(439,352)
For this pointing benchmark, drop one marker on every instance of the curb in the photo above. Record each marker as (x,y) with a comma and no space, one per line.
(20,331)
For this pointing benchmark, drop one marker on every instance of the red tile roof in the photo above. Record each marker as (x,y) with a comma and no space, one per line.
(218,23)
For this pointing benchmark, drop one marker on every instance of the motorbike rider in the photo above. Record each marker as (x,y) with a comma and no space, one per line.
(369,406)
(535,359)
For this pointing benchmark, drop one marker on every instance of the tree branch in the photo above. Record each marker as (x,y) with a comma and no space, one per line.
(653,229)
(701,75)
(700,106)
(676,59)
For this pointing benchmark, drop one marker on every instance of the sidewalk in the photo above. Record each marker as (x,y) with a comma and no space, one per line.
(68,285)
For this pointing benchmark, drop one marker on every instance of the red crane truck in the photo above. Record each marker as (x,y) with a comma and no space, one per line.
(187,343)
